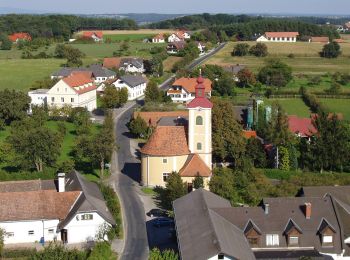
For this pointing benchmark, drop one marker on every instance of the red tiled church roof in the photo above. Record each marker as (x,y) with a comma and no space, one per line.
(152,118)
(195,166)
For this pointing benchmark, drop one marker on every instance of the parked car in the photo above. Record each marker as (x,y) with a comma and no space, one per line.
(163,222)
(157,213)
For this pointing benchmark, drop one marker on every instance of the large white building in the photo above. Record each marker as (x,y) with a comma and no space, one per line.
(278,37)
(70,209)
(76,90)
(135,84)
(132,65)
(38,97)
(179,36)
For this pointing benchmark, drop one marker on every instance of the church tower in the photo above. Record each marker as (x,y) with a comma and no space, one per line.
(199,124)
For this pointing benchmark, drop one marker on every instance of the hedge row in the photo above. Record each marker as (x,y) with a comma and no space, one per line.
(311,101)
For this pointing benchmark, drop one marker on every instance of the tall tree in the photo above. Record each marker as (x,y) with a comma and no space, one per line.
(152,92)
(13,105)
(240,49)
(331,50)
(113,98)
(259,50)
(5,43)
(275,73)
(175,188)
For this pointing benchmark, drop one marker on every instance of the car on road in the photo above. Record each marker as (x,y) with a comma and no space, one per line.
(157,213)
(163,222)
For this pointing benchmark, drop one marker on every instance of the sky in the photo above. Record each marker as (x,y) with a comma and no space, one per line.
(340,7)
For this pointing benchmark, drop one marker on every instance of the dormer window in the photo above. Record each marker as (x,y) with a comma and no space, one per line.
(326,231)
(292,232)
(253,234)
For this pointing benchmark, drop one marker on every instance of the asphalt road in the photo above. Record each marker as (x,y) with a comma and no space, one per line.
(128,169)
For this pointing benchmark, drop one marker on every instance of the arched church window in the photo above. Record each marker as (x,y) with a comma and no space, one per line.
(199,146)
(199,120)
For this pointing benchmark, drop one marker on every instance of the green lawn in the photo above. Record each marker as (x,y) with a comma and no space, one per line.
(338,106)
(293,106)
(129,37)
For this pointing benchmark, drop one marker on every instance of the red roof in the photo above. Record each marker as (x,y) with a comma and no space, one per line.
(77,82)
(20,36)
(189,84)
(152,118)
(195,166)
(320,39)
(281,34)
(301,126)
(339,40)
(200,100)
(249,134)
(111,63)
(159,36)
(89,34)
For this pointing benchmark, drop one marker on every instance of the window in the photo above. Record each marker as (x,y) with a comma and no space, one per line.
(199,146)
(31,232)
(72,100)
(50,231)
(165,160)
(58,89)
(199,93)
(87,217)
(199,120)
(272,240)
(165,176)
(293,240)
(221,256)
(65,89)
(10,234)
(62,99)
(327,239)
(52,99)
(253,241)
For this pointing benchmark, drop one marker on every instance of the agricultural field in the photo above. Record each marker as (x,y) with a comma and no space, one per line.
(129,32)
(127,37)
(338,106)
(169,62)
(306,59)
(292,106)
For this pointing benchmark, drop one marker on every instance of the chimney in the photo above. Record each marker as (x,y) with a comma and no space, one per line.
(266,208)
(307,210)
(61,181)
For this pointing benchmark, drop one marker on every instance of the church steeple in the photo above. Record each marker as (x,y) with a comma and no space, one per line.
(200,99)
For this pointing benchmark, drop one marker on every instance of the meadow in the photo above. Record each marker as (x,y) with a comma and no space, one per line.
(338,106)
(292,106)
(127,37)
(306,59)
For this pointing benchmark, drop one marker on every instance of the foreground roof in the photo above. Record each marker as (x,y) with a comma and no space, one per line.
(133,80)
(20,36)
(152,118)
(167,141)
(301,126)
(111,63)
(96,69)
(195,166)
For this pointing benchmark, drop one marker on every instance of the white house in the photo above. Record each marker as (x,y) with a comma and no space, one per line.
(179,36)
(183,89)
(278,37)
(159,38)
(135,84)
(70,209)
(76,90)
(132,65)
(96,36)
(201,48)
(38,97)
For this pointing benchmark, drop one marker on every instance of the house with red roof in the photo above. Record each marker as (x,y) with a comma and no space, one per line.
(76,90)
(301,127)
(15,37)
(183,90)
(278,37)
(97,36)
(179,36)
(159,38)
(180,143)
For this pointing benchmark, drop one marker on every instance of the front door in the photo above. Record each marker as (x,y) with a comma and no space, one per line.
(64,236)
(189,187)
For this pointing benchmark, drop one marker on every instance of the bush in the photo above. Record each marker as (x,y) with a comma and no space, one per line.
(58,252)
(241,49)
(291,55)
(330,50)
(259,50)
(18,253)
(275,73)
(102,250)
(138,127)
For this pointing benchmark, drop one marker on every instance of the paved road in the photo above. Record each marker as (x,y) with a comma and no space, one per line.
(127,176)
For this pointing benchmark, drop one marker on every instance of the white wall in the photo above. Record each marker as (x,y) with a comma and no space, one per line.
(133,93)
(20,231)
(216,258)
(84,230)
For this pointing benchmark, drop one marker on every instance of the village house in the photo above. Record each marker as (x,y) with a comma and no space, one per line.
(183,90)
(175,47)
(201,47)
(159,38)
(279,228)
(278,37)
(69,209)
(38,97)
(234,69)
(96,36)
(111,63)
(132,65)
(15,37)
(76,90)
(179,36)
(99,74)
(135,84)
(180,145)
(301,127)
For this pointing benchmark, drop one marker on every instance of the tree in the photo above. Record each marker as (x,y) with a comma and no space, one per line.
(224,86)
(81,119)
(335,89)
(198,182)
(113,97)
(73,56)
(153,93)
(240,49)
(6,44)
(60,51)
(138,127)
(190,51)
(228,141)
(275,73)
(259,50)
(13,105)
(35,145)
(156,254)
(255,151)
(175,188)
(283,158)
(331,50)
(246,78)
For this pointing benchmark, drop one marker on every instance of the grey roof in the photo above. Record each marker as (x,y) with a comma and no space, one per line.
(136,62)
(29,185)
(90,200)
(202,233)
(234,69)
(133,80)
(39,91)
(96,69)
(173,121)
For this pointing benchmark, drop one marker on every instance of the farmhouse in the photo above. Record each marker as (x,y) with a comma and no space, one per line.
(111,63)
(180,145)
(69,209)
(158,38)
(132,65)
(278,37)
(76,90)
(234,69)
(301,127)
(96,36)
(279,228)
(135,84)
(183,90)
(175,47)
(38,97)
(15,37)
(179,36)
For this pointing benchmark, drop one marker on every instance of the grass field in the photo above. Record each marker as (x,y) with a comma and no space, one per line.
(169,62)
(141,31)
(306,60)
(293,106)
(338,106)
(128,37)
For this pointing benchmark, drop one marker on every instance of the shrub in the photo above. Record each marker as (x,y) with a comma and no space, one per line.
(240,49)
(259,50)
(102,250)
(330,50)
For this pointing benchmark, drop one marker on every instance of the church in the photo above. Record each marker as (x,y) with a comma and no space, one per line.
(180,144)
